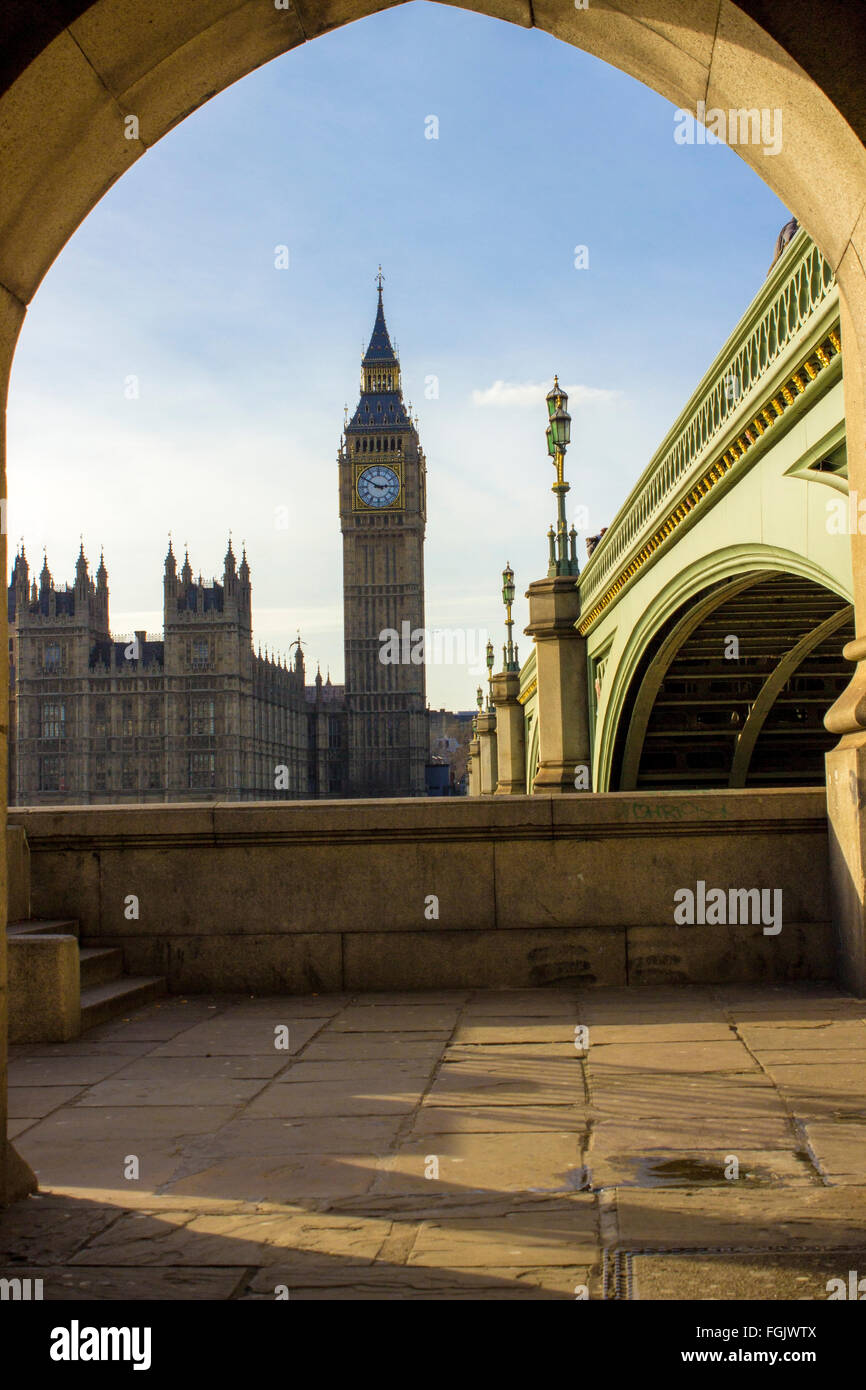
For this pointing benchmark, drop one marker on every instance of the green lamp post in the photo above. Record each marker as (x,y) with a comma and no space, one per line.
(479,700)
(489,674)
(562,543)
(509,652)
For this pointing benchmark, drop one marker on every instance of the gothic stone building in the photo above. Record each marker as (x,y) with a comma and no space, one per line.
(195,716)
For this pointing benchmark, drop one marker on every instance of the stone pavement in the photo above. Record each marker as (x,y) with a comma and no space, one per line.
(699,1143)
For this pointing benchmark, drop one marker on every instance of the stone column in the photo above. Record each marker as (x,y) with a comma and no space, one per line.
(510,735)
(562,698)
(487,752)
(846,763)
(472,766)
(16,1176)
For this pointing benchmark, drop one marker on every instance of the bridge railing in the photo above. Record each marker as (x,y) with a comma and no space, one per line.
(796,289)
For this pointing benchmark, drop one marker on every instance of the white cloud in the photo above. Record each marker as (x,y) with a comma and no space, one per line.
(524,393)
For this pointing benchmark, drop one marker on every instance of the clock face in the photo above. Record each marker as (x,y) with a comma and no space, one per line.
(378,486)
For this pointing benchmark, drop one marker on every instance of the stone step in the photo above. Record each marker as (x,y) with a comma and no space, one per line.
(41,926)
(99,965)
(101,1003)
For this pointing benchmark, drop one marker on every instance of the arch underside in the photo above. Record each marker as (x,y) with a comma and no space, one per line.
(733,688)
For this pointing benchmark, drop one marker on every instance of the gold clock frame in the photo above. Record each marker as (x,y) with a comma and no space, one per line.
(396,466)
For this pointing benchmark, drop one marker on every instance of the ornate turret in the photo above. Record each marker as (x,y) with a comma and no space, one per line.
(81,575)
(21,574)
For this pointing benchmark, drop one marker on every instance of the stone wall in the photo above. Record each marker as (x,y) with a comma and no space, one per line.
(314,897)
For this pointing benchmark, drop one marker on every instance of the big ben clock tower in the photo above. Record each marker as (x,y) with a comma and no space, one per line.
(383,511)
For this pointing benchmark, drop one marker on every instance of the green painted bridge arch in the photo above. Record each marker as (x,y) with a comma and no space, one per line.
(716,606)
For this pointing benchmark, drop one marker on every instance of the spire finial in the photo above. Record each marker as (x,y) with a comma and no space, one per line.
(379,278)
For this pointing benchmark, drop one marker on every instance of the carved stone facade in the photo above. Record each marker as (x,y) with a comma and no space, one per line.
(194,716)
(383,512)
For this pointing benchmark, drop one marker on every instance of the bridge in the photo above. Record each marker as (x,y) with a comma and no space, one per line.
(715,607)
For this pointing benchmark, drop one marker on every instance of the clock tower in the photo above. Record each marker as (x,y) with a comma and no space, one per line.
(383,511)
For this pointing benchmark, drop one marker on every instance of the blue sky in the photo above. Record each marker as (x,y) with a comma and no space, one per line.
(243,369)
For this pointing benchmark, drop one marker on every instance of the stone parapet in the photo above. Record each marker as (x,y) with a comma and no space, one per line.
(528,890)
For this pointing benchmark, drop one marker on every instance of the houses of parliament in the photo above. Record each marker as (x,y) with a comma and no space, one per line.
(197,714)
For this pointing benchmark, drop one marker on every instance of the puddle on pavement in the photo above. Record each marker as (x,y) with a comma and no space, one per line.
(692,1172)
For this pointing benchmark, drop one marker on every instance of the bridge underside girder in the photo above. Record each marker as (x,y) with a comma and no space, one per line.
(734,688)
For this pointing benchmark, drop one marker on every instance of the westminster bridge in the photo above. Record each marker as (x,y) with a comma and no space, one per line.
(714,609)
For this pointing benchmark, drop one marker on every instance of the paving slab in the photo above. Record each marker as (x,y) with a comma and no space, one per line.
(518,1282)
(699,1166)
(368,1071)
(567,1236)
(75,1124)
(85,1046)
(499,1163)
(667,1058)
(248,1067)
(156,1022)
(36,1101)
(497,1119)
(642,1096)
(287,1006)
(839,1149)
(769,1058)
(183,1091)
(223,1038)
(49,1230)
(19,1125)
(468,1083)
(176,1238)
(817,1036)
(490,1053)
(819,1088)
(639,1034)
(334,1047)
(328,1134)
(427,998)
(63,1071)
(97,1171)
(70,1284)
(725,1277)
(508,1030)
(529,1003)
(676,1132)
(406,1018)
(399,1095)
(277,1179)
(733,1216)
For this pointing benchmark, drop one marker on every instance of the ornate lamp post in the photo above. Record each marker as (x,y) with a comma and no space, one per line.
(509,652)
(479,700)
(489,674)
(563,555)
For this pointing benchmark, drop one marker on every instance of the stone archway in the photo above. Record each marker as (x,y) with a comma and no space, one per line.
(72,75)
(711,710)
